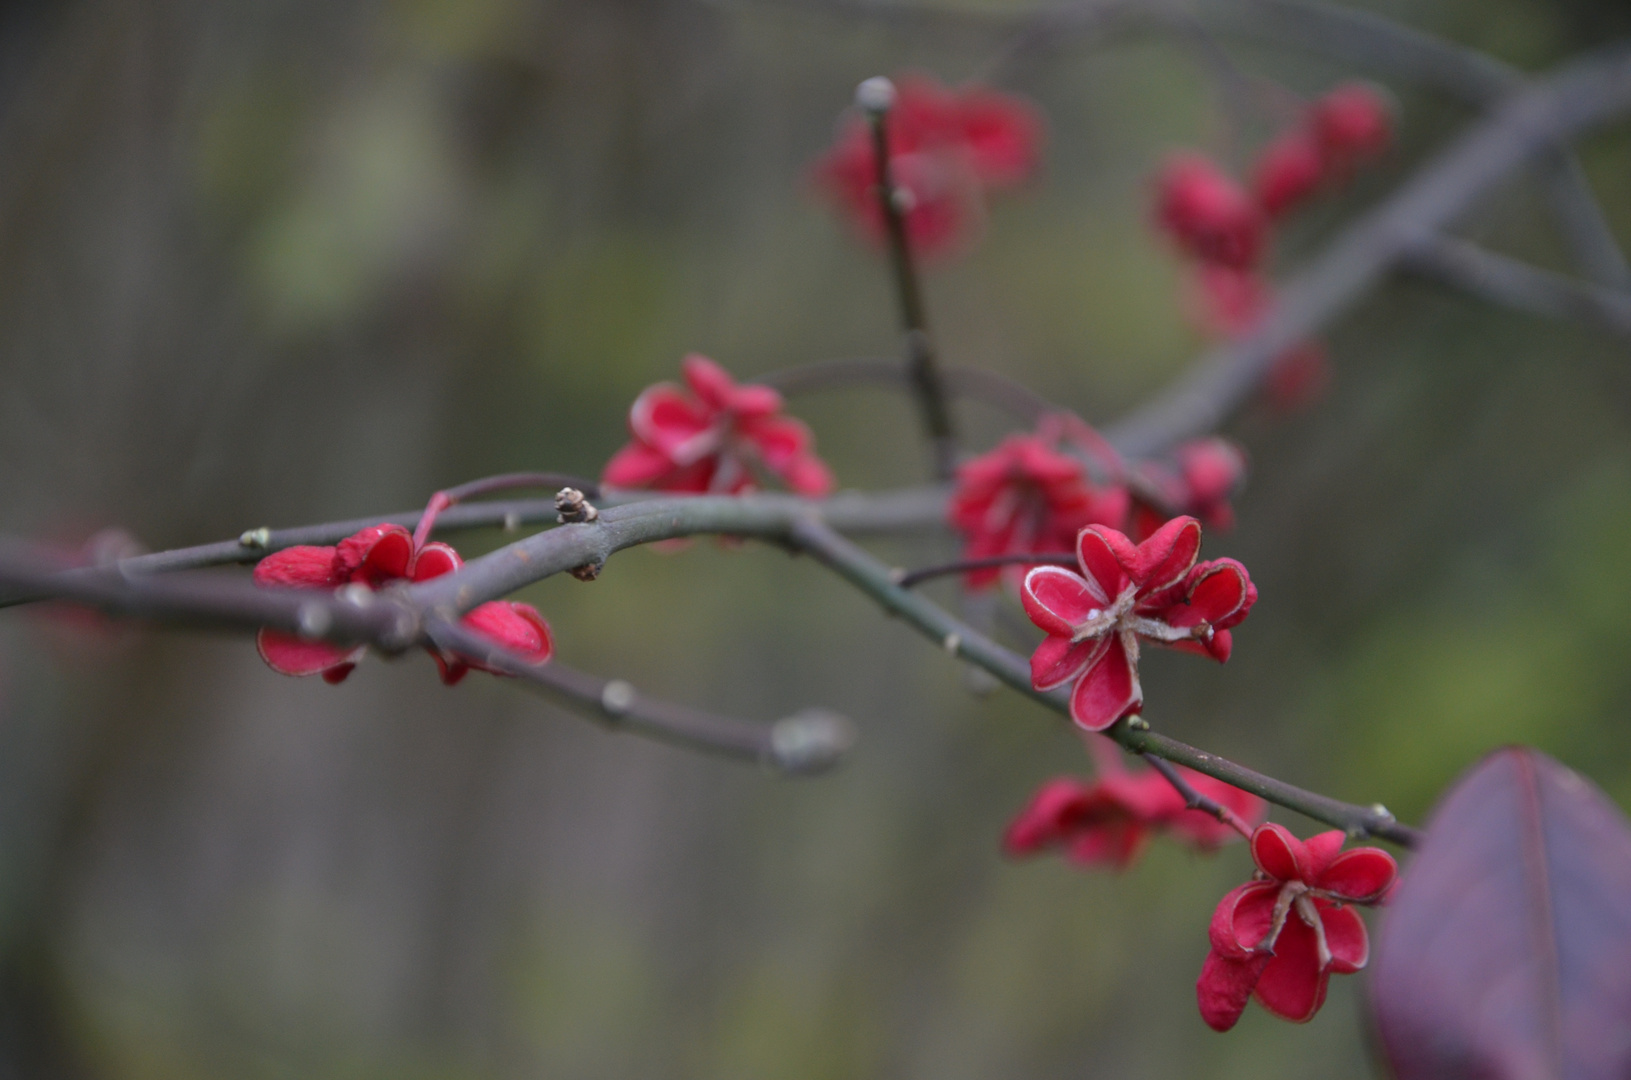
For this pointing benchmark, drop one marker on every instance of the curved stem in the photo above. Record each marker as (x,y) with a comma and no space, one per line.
(1194,800)
(915,577)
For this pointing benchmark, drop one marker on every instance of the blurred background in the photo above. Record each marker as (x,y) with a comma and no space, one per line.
(284,262)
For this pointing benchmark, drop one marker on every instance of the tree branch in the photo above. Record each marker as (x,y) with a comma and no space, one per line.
(1194,800)
(1514,283)
(805,743)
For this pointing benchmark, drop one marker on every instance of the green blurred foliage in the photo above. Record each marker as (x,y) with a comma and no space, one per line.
(277,263)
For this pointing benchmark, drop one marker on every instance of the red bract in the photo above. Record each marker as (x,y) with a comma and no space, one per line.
(719,438)
(1108,822)
(948,149)
(372,558)
(1033,493)
(1200,478)
(1283,935)
(1209,215)
(1290,170)
(1353,124)
(1154,590)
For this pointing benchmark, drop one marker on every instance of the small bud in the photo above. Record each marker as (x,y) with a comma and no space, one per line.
(512,521)
(589,571)
(572,507)
(1138,723)
(810,741)
(897,575)
(875,95)
(617,697)
(357,594)
(951,643)
(256,538)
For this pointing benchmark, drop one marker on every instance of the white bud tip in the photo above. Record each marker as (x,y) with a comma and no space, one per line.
(810,741)
(617,697)
(876,95)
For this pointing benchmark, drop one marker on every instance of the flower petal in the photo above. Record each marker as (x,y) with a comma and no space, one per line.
(1107,691)
(809,475)
(1113,843)
(1055,807)
(290,655)
(1345,936)
(1162,561)
(751,400)
(668,420)
(1225,986)
(1279,854)
(1292,986)
(1243,918)
(375,555)
(1057,660)
(434,560)
(301,567)
(1360,875)
(514,625)
(1058,600)
(711,383)
(1319,851)
(635,466)
(1099,549)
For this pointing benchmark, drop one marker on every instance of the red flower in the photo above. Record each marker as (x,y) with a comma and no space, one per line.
(1353,124)
(371,558)
(720,438)
(1199,479)
(1284,934)
(1108,822)
(1034,493)
(1209,215)
(1153,590)
(1290,170)
(948,149)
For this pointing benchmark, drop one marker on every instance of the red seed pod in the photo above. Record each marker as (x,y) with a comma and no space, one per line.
(1291,170)
(1209,215)
(1353,123)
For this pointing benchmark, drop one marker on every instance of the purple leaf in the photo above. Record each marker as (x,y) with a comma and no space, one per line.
(1505,953)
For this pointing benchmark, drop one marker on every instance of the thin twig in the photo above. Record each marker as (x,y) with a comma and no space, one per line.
(802,744)
(915,577)
(1586,92)
(876,97)
(1194,800)
(1516,284)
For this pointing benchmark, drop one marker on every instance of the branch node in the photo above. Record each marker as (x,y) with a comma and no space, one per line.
(589,571)
(617,698)
(315,620)
(810,741)
(951,643)
(1138,723)
(256,539)
(512,521)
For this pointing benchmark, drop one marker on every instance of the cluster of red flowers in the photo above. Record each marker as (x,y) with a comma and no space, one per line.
(720,438)
(1108,822)
(371,559)
(1226,227)
(1034,492)
(948,150)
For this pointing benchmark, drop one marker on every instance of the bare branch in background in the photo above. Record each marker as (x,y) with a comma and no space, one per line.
(1516,284)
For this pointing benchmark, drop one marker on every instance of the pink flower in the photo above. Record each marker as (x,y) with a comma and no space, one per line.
(372,558)
(1281,936)
(1154,590)
(1200,478)
(720,437)
(948,150)
(1209,215)
(1290,171)
(1353,124)
(1033,493)
(1108,822)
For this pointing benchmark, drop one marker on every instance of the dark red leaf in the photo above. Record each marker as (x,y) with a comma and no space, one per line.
(1506,951)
